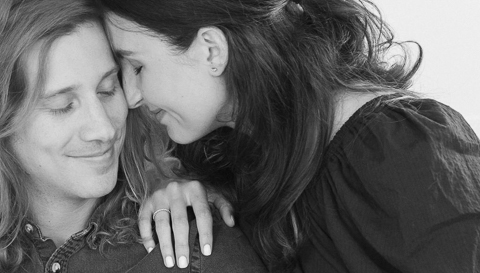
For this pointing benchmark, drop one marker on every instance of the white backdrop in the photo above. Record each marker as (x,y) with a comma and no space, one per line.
(449,33)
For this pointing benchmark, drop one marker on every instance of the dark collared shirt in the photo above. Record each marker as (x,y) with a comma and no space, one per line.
(231,253)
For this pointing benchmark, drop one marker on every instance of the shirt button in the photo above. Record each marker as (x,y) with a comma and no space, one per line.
(55,267)
(28,228)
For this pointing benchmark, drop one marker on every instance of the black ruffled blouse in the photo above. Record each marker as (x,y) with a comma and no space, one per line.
(398,191)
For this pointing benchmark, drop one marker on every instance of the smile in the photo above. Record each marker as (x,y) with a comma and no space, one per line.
(156,112)
(97,155)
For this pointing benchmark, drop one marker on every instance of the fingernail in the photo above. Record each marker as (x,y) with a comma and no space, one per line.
(150,249)
(182,262)
(233,220)
(169,261)
(207,250)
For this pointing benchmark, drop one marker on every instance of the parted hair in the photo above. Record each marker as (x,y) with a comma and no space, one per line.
(287,61)
(23,25)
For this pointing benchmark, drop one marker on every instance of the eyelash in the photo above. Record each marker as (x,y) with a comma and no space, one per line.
(109,93)
(63,110)
(70,105)
(137,70)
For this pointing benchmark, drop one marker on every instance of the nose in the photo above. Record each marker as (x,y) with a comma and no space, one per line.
(132,92)
(133,96)
(98,125)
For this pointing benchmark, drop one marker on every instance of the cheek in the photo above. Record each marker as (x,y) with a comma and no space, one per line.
(122,114)
(31,145)
(150,87)
(131,83)
(161,84)
(17,144)
(118,110)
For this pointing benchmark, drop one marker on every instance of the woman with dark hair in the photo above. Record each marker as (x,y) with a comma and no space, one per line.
(72,173)
(298,111)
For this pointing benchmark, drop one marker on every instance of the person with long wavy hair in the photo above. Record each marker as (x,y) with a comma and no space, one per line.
(301,112)
(72,162)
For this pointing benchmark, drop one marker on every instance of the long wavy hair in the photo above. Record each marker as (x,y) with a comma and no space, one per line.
(288,61)
(23,25)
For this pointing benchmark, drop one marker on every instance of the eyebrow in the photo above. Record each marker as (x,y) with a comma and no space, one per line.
(72,88)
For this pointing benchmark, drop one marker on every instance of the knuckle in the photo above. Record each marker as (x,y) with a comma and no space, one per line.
(196,186)
(201,204)
(206,234)
(166,248)
(144,218)
(205,214)
(161,222)
(145,208)
(225,205)
(146,238)
(160,193)
(179,219)
(173,186)
(181,246)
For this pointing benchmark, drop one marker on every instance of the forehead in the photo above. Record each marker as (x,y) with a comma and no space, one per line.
(122,30)
(73,59)
(121,23)
(127,36)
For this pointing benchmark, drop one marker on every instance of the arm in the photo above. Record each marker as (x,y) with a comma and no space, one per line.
(176,197)
(416,191)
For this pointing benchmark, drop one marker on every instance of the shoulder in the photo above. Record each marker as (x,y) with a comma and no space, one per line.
(406,124)
(354,108)
(346,105)
(411,147)
(401,120)
(231,252)
(400,182)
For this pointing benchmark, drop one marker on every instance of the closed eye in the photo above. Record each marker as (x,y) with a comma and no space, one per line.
(137,70)
(108,93)
(62,110)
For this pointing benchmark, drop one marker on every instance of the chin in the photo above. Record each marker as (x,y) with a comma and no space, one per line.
(179,137)
(102,186)
(101,192)
(180,141)
(188,136)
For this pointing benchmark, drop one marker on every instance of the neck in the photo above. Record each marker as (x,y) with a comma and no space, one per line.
(347,103)
(60,219)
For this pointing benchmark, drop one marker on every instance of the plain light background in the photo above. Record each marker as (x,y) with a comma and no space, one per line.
(449,33)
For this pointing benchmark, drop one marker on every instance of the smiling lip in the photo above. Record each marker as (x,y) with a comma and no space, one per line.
(156,112)
(97,154)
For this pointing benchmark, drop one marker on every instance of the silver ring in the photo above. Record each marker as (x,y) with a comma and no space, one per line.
(159,210)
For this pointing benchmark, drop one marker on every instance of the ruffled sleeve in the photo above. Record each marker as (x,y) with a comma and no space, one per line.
(400,190)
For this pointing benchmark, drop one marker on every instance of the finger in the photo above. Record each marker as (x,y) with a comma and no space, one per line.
(162,227)
(204,222)
(145,226)
(180,231)
(225,208)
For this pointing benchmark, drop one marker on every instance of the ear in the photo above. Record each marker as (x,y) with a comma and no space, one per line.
(213,46)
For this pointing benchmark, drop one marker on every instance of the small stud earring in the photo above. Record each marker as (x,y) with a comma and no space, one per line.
(214,69)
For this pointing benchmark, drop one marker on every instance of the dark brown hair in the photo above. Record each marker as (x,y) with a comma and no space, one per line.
(287,61)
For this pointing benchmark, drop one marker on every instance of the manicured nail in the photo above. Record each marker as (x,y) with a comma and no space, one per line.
(207,250)
(182,262)
(150,249)
(169,261)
